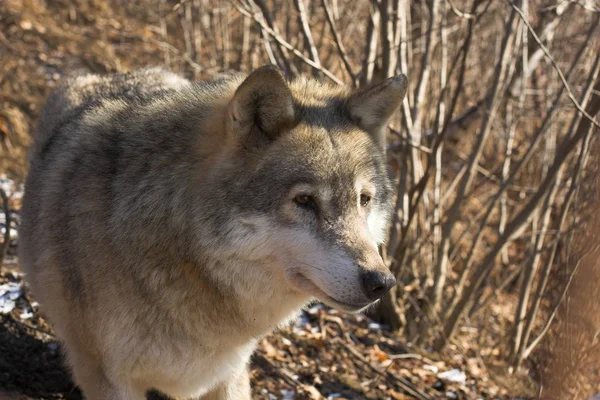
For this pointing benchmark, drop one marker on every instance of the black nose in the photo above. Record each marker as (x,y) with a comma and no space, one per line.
(375,284)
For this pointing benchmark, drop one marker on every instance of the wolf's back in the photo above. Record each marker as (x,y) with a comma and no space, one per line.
(79,92)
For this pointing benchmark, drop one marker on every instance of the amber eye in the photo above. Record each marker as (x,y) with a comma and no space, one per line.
(305,201)
(365,199)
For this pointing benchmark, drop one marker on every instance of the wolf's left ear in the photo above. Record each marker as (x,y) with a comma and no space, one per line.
(372,108)
(262,107)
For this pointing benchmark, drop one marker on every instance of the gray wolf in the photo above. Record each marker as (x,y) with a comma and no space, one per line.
(167,225)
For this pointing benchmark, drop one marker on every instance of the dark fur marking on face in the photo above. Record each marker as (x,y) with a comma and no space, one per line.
(331,116)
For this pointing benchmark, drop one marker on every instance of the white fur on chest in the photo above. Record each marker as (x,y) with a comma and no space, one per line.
(191,374)
(188,369)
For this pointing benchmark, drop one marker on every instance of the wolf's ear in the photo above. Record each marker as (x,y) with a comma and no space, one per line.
(372,108)
(262,107)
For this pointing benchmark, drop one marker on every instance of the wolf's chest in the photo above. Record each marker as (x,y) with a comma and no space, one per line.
(194,372)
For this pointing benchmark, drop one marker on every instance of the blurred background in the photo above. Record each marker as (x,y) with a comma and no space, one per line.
(494,156)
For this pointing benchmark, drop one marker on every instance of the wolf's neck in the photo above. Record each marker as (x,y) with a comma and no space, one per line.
(259,301)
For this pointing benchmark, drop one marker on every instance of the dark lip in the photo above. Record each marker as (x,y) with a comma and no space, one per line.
(349,307)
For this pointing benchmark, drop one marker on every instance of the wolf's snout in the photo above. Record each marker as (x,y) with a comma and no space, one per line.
(375,284)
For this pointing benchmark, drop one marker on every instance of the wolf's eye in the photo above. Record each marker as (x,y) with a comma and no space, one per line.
(305,201)
(365,199)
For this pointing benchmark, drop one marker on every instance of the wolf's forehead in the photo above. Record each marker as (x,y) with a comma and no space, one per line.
(321,104)
(337,156)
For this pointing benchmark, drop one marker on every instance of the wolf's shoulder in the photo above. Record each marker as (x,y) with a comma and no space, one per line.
(78,89)
(80,92)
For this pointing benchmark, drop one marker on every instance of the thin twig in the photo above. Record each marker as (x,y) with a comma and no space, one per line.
(518,167)
(371,45)
(289,378)
(388,57)
(288,46)
(523,216)
(567,202)
(268,17)
(548,323)
(401,382)
(554,65)
(308,39)
(416,192)
(493,103)
(439,273)
(338,42)
(459,13)
(168,47)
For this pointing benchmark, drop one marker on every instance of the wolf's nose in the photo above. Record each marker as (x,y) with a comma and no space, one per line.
(375,284)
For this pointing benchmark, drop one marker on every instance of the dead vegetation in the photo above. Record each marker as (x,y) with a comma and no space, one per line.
(489,155)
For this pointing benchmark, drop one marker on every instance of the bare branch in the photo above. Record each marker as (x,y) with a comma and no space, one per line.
(308,39)
(519,166)
(459,13)
(555,65)
(371,46)
(514,227)
(288,46)
(338,42)
(466,181)
(401,382)
(268,16)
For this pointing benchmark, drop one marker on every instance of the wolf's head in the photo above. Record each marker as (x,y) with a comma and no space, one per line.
(312,193)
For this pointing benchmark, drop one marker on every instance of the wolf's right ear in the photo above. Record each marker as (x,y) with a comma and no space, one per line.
(262,108)
(372,108)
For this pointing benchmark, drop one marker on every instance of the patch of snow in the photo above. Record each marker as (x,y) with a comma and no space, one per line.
(13,232)
(431,368)
(454,375)
(7,185)
(315,309)
(374,326)
(298,332)
(9,293)
(6,306)
(302,320)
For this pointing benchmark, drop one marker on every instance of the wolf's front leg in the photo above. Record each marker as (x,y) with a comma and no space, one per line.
(96,385)
(236,388)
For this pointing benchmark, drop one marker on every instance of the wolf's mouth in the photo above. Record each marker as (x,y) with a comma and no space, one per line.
(348,306)
(307,285)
